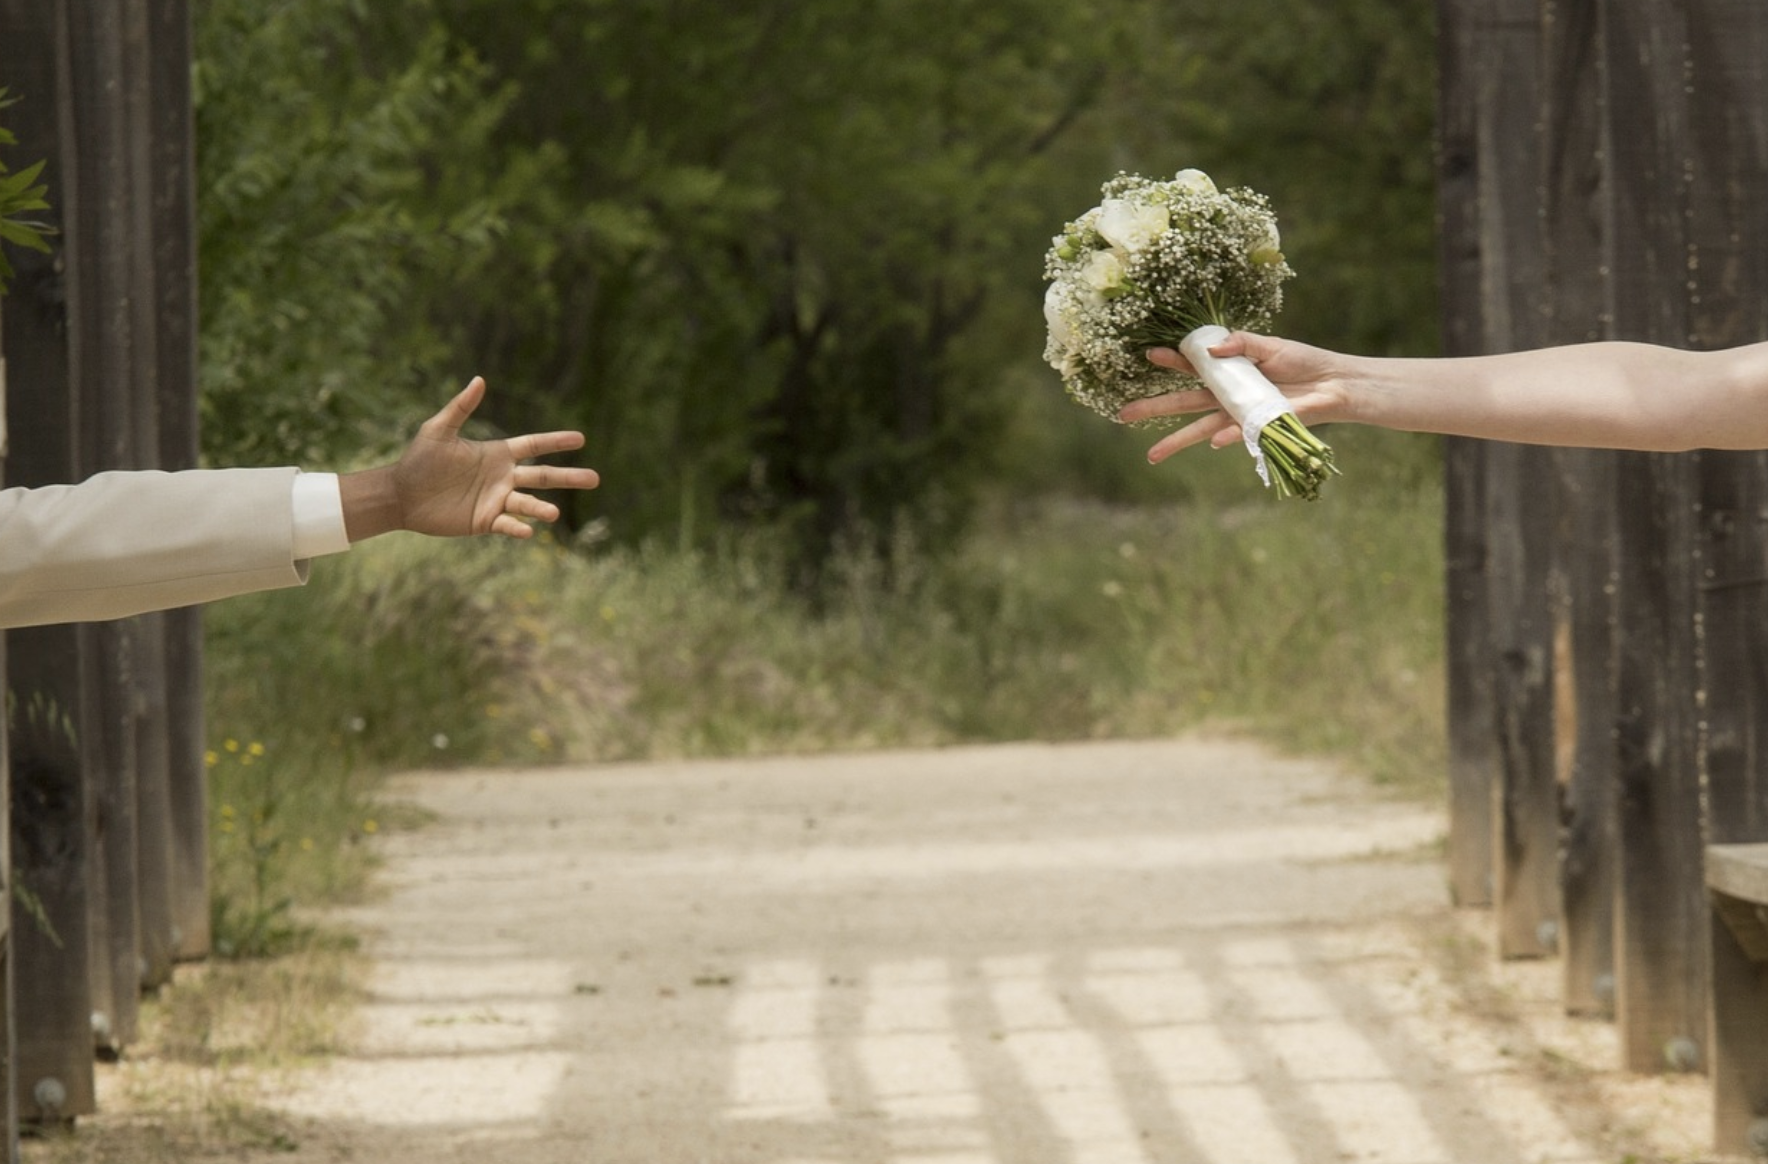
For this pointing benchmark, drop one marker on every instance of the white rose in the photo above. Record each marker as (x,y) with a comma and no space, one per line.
(1194,182)
(1061,333)
(1103,272)
(1129,225)
(1268,250)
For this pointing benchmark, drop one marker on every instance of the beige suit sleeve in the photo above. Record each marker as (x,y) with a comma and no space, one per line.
(125,543)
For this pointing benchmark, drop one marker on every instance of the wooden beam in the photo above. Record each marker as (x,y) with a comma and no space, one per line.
(52,852)
(106,338)
(173,192)
(1581,570)
(145,690)
(1507,49)
(1473,758)
(1737,878)
(1726,281)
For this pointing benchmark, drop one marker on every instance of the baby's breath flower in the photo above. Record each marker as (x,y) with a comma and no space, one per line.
(1147,266)
(1152,263)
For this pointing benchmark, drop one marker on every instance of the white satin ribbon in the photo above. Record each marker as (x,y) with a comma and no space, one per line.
(1240,387)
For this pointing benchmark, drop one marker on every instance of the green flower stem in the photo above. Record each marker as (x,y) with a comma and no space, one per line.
(1300,462)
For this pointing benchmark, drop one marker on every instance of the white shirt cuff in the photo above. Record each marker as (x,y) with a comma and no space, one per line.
(319,516)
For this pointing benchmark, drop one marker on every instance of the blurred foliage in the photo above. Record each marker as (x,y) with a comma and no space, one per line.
(339,205)
(781,260)
(21,193)
(1334,117)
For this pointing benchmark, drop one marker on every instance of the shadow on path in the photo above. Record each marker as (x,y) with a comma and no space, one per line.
(1119,953)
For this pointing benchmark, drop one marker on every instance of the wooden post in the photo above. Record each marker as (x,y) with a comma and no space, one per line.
(1727,287)
(146,688)
(173,194)
(52,853)
(1518,486)
(1473,759)
(1586,639)
(1725,155)
(105,350)
(1660,934)
(1667,166)
(1733,491)
(1573,237)
(1526,801)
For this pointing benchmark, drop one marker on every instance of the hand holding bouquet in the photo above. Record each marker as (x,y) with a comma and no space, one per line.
(1177,264)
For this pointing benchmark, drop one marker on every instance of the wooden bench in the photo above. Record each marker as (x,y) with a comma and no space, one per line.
(1737,885)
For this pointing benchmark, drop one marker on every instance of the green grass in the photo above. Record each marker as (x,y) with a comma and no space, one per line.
(1313,626)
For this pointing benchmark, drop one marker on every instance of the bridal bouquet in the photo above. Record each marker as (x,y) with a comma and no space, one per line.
(1177,264)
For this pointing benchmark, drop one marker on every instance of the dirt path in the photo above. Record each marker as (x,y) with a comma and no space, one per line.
(1121,953)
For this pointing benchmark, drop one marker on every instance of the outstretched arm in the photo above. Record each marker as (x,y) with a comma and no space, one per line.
(1599,395)
(448,486)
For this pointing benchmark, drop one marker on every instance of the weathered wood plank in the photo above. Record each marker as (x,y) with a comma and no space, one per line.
(1507,59)
(1519,517)
(1661,939)
(1737,877)
(173,188)
(1586,640)
(1739,1052)
(1725,169)
(1581,568)
(1473,756)
(105,344)
(146,688)
(52,853)
(1660,934)
(1739,870)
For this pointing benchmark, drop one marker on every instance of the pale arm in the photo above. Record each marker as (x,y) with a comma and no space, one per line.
(1600,395)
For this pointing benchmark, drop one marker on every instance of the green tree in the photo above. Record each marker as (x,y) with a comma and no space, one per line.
(339,196)
(781,260)
(783,239)
(1331,110)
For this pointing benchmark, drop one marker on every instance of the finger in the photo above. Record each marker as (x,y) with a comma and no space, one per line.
(555,477)
(523,505)
(511,527)
(1256,347)
(1230,435)
(446,424)
(1196,432)
(1168,404)
(540,444)
(1235,345)
(1171,358)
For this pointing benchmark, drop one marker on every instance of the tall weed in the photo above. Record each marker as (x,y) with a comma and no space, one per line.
(1314,626)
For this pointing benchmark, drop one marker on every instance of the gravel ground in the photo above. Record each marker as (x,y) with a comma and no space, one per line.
(1107,953)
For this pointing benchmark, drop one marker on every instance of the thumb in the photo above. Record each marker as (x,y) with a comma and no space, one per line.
(448,422)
